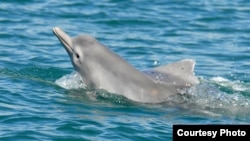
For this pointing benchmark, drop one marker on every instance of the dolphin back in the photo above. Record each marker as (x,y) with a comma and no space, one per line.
(179,73)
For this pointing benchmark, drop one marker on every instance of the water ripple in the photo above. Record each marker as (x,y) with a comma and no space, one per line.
(40,99)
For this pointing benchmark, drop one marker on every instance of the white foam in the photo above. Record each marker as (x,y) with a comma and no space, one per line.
(235,85)
(70,81)
(220,95)
(219,79)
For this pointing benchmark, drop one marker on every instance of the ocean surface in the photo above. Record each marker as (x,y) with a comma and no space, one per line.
(42,98)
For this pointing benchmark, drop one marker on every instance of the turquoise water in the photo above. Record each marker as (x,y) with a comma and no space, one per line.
(42,98)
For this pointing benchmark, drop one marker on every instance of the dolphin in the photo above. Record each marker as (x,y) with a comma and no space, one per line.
(101,68)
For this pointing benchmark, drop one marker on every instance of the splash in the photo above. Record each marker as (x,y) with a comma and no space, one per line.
(71,81)
(234,85)
(209,96)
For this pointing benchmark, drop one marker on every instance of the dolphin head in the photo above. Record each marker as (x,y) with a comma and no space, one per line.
(83,51)
(76,47)
(65,39)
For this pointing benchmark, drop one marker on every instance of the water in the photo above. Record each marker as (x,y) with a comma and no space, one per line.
(41,97)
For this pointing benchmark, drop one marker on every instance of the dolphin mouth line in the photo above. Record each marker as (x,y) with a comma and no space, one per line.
(64,38)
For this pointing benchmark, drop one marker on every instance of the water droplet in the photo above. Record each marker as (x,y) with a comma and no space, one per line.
(156,62)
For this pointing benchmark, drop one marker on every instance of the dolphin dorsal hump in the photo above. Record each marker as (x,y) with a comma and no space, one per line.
(181,72)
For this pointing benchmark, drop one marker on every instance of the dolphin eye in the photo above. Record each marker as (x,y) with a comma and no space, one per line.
(77,55)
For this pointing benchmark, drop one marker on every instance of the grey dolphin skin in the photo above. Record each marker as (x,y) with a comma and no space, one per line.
(100,68)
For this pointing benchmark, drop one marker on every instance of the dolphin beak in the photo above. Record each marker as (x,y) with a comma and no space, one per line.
(64,39)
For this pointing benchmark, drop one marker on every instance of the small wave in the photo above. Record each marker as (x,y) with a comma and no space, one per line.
(234,85)
(32,73)
(71,81)
(74,82)
(233,99)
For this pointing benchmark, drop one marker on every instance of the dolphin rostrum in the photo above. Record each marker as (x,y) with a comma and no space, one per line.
(100,68)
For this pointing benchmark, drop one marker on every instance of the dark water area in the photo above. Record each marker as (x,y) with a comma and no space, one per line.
(42,98)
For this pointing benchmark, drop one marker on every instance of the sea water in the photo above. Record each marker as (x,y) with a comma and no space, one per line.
(43,98)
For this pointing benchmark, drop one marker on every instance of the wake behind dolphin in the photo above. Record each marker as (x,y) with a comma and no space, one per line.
(100,68)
